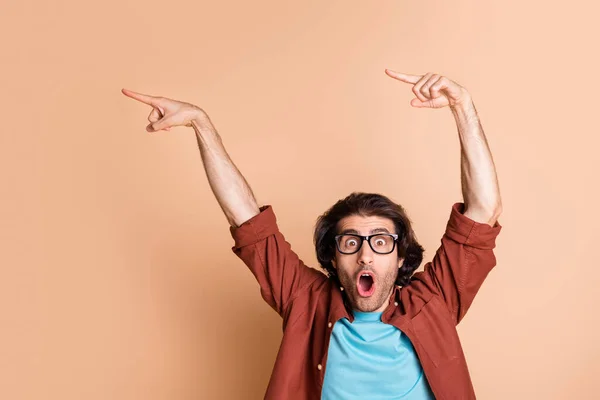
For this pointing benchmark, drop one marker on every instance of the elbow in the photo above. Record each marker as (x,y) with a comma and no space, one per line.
(487,215)
(495,214)
(497,210)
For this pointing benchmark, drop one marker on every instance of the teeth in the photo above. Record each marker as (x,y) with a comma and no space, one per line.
(365,275)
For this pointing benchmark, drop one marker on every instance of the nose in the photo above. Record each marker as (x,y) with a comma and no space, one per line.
(365,254)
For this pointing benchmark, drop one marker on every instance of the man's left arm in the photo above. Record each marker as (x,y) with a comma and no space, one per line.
(465,256)
(480,188)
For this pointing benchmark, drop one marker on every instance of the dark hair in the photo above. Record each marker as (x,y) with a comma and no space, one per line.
(368,204)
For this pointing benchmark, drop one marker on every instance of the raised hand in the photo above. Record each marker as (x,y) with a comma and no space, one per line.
(433,90)
(167,113)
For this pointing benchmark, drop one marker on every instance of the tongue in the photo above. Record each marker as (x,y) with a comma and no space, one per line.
(365,286)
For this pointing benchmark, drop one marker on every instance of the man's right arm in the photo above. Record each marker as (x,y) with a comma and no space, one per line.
(227,183)
(258,242)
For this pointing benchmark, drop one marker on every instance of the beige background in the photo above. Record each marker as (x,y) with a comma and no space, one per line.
(118,280)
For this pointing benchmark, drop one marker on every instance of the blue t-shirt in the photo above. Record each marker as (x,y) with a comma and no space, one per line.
(369,359)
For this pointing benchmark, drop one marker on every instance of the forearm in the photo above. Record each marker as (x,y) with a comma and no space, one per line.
(233,193)
(480,187)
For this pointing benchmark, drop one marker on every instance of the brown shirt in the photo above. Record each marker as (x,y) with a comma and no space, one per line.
(427,310)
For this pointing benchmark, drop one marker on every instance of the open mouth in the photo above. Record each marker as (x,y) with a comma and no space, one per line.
(365,284)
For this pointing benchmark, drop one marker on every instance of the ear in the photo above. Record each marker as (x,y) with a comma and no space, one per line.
(333,263)
(400,262)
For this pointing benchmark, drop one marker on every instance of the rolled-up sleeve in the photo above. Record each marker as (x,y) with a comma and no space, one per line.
(464,230)
(461,263)
(277,268)
(254,230)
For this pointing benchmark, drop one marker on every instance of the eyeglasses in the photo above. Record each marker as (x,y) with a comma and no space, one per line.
(381,243)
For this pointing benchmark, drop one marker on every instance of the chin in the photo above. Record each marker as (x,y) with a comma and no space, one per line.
(367,305)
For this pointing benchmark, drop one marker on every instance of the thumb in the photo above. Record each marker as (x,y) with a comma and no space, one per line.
(164,123)
(433,103)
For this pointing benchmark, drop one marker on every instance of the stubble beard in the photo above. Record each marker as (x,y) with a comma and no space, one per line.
(383,290)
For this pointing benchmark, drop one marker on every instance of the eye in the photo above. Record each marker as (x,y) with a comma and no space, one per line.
(351,242)
(380,242)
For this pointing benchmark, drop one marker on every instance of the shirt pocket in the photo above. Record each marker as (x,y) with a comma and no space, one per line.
(436,333)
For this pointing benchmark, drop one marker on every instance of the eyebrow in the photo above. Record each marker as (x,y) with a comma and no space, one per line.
(355,232)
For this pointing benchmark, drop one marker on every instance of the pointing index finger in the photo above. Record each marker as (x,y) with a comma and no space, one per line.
(144,98)
(403,77)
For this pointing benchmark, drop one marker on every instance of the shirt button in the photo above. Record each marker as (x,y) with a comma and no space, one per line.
(330,324)
(396,303)
(319,367)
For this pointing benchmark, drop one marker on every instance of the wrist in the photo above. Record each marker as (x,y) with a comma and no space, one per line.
(464,103)
(464,109)
(200,121)
(207,135)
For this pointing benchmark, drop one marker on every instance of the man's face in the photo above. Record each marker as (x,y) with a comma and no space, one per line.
(367,293)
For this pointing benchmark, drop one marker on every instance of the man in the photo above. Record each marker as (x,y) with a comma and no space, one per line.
(370,328)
